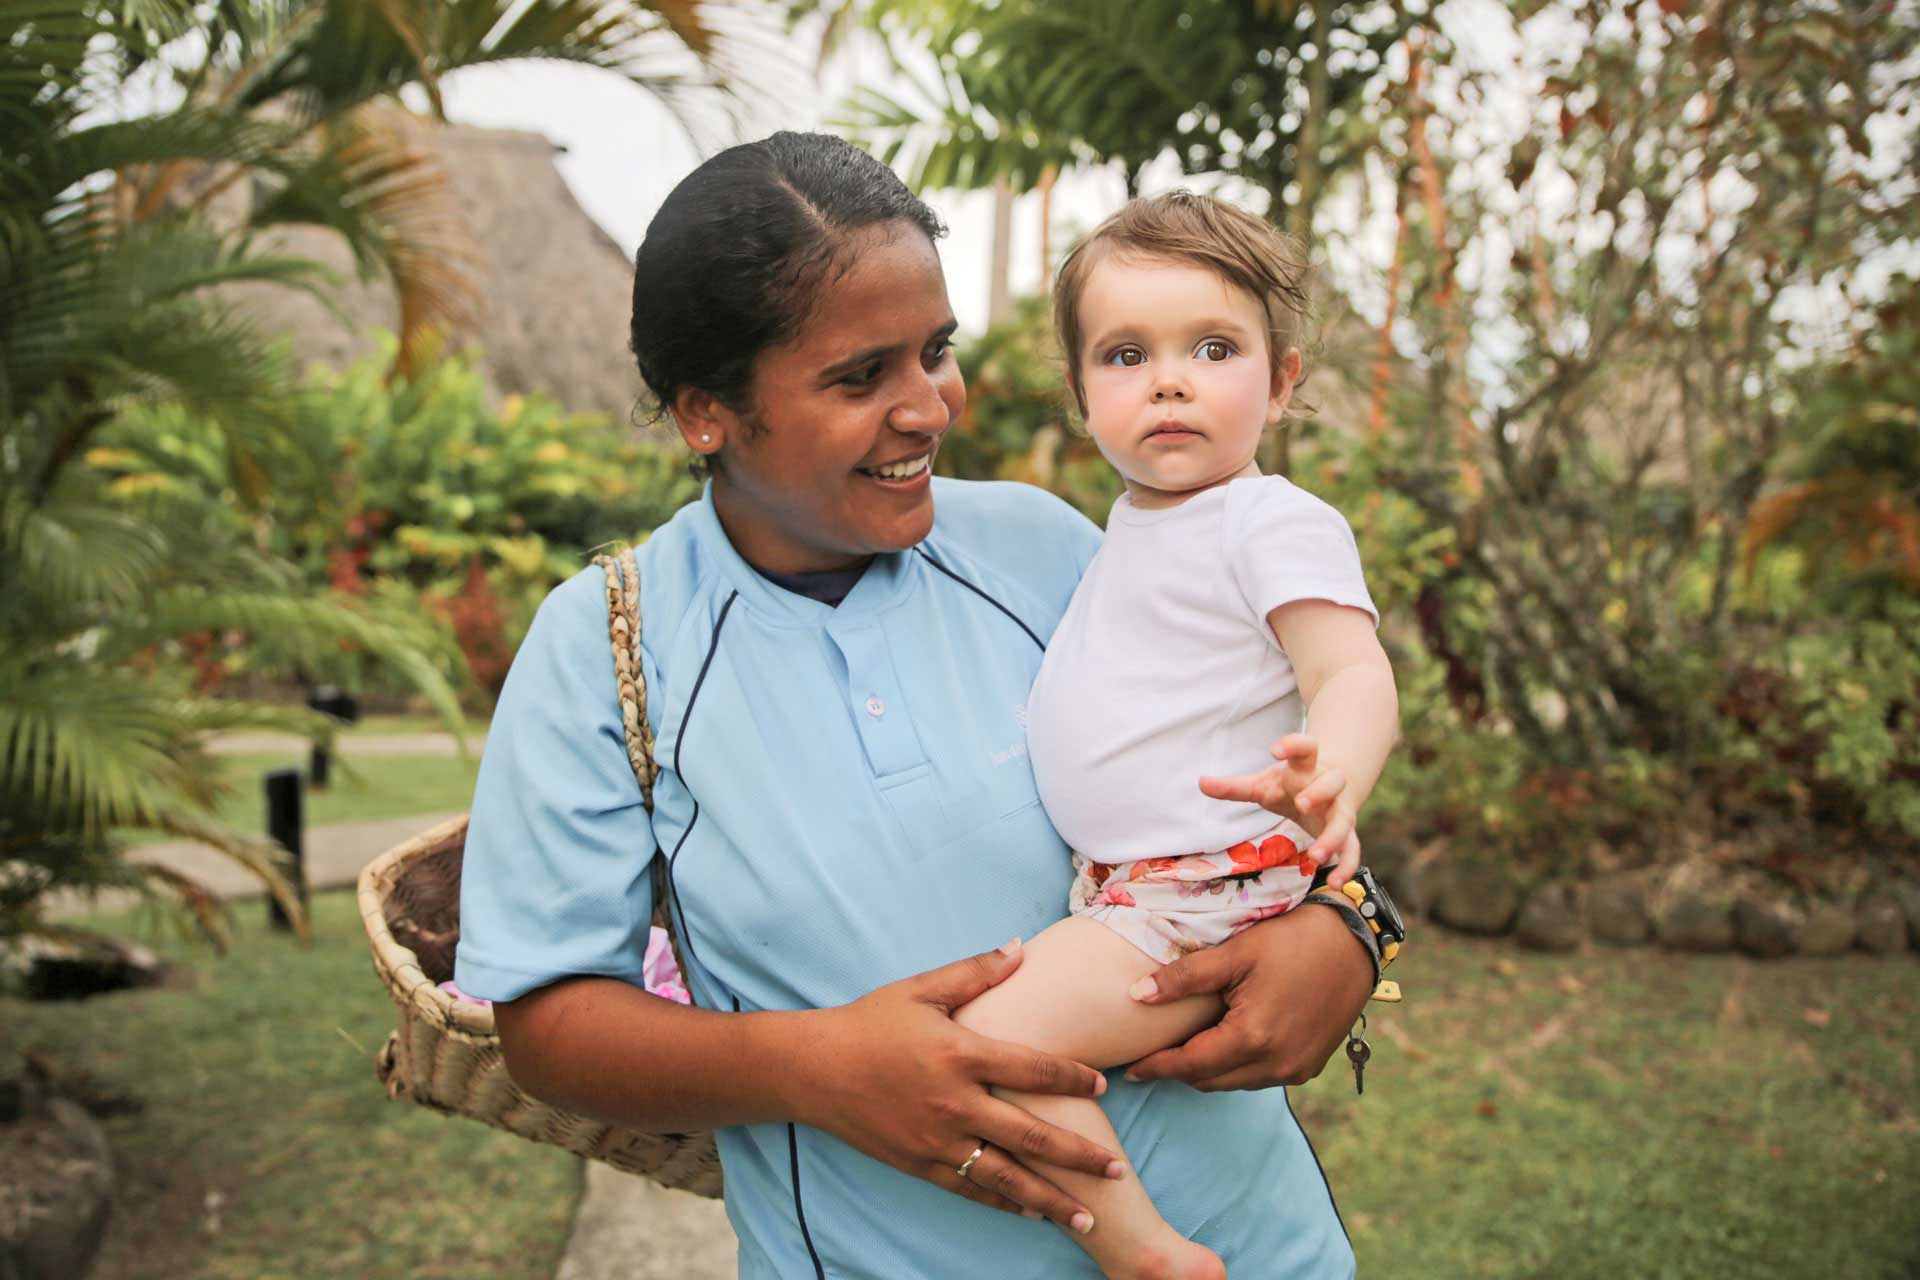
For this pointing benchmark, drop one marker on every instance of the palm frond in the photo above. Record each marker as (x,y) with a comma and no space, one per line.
(388,195)
(203,906)
(86,553)
(94,746)
(309,627)
(267,861)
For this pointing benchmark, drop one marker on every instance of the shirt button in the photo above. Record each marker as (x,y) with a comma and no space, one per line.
(875,707)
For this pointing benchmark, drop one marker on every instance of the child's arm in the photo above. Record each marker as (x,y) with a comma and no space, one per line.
(1347,685)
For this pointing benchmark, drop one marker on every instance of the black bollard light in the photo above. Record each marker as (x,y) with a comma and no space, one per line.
(285,819)
(345,709)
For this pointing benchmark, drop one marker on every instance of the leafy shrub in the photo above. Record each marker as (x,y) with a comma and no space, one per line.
(415,492)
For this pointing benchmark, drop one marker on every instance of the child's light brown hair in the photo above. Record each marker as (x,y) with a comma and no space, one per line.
(1182,226)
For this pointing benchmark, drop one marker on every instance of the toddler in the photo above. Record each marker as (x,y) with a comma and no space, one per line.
(1224,609)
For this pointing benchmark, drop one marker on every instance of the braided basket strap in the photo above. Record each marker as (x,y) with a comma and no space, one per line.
(623,628)
(623,631)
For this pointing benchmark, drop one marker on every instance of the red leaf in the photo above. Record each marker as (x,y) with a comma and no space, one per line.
(1568,122)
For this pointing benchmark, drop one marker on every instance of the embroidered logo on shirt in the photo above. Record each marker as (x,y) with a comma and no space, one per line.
(1015,750)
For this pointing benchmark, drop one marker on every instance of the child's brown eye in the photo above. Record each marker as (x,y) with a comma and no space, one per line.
(1215,350)
(1128,357)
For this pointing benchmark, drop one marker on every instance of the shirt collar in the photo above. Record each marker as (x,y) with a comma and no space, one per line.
(879,587)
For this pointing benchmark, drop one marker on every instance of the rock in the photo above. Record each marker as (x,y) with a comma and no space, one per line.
(1907,894)
(1388,857)
(1881,926)
(1413,886)
(1827,930)
(59,963)
(1765,930)
(56,1173)
(1698,924)
(1617,912)
(1550,920)
(1475,900)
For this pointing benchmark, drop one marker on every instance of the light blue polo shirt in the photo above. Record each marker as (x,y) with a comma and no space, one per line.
(844,800)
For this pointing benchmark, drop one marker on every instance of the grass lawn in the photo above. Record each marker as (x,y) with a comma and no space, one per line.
(1631,1114)
(1615,1114)
(266,1150)
(378,787)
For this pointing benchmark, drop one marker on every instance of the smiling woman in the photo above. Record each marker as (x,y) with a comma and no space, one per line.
(863,396)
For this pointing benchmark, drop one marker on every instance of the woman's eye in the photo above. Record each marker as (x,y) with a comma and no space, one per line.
(1128,357)
(862,378)
(1215,350)
(938,349)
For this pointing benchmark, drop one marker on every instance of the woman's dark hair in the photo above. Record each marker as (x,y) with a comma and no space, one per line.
(735,258)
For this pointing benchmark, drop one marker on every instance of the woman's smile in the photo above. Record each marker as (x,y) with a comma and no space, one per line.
(909,473)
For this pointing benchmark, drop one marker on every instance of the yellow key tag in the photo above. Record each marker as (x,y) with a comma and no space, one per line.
(1388,992)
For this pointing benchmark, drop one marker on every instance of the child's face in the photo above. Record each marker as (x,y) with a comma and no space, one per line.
(1176,376)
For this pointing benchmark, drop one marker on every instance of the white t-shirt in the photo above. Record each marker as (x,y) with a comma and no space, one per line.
(1165,667)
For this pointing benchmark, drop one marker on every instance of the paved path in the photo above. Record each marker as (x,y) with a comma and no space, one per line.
(630,1229)
(334,855)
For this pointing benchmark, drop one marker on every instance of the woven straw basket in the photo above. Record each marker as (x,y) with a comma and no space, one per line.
(445,1053)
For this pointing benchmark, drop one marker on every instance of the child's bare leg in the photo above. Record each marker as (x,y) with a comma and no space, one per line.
(1069,996)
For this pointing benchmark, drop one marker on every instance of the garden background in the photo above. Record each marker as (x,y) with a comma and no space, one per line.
(1619,391)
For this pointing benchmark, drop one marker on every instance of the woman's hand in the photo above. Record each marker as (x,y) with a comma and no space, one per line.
(1294,985)
(1298,787)
(894,1076)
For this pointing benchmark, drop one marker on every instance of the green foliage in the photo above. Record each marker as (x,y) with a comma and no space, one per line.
(1849,495)
(1018,424)
(100,726)
(414,495)
(1858,691)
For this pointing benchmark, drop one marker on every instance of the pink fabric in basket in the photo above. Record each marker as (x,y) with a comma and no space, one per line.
(659,973)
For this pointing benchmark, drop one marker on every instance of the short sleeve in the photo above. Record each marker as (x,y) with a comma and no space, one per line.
(1283,544)
(555,881)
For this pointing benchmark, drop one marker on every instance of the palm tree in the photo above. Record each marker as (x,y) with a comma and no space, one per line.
(1024,88)
(110,271)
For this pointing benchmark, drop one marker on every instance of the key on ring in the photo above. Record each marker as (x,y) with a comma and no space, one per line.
(1358,1051)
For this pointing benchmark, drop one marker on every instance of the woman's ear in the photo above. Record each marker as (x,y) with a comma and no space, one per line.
(704,420)
(1284,379)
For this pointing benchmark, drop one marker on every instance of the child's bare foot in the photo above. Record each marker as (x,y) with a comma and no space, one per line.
(1170,1256)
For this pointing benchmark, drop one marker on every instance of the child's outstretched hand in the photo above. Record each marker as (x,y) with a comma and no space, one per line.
(1298,788)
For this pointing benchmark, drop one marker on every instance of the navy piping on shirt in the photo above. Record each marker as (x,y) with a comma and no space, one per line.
(686,723)
(686,939)
(673,901)
(793,1156)
(1316,1164)
(984,596)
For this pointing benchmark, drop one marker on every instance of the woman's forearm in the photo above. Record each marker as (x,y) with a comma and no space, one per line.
(1355,717)
(607,1049)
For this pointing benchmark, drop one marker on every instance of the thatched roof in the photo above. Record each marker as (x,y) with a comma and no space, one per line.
(554,290)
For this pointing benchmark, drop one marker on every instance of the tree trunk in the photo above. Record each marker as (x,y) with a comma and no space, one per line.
(999,291)
(1306,169)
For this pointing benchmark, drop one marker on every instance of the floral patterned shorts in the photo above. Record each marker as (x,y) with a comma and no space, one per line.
(1169,907)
